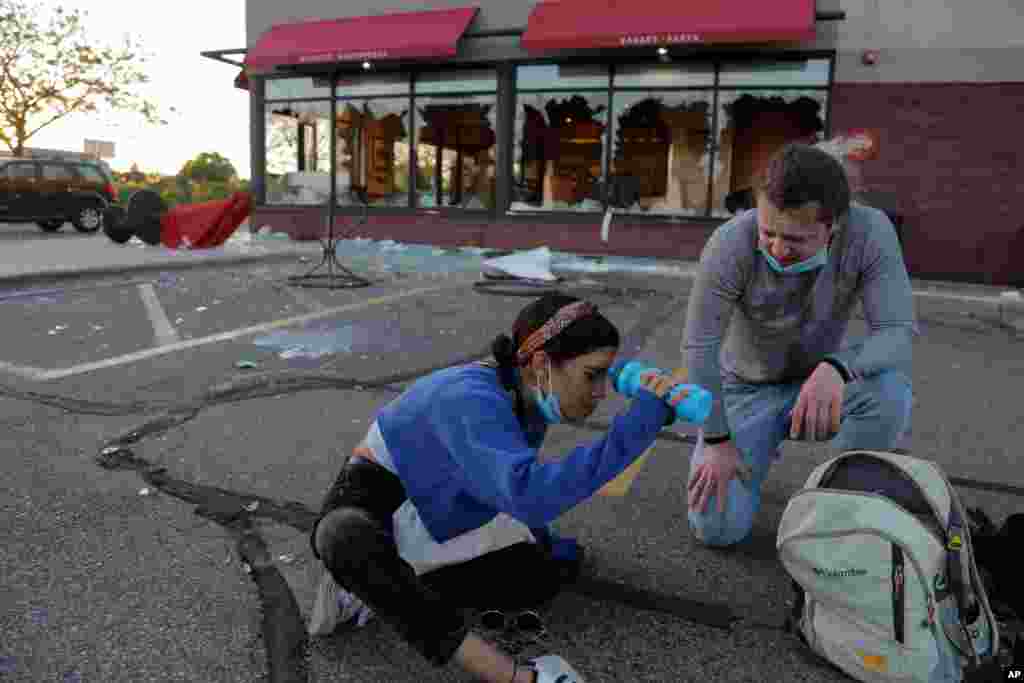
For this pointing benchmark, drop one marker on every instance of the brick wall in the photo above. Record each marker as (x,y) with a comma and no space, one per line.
(953,155)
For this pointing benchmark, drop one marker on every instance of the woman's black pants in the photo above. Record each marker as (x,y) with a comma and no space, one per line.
(354,539)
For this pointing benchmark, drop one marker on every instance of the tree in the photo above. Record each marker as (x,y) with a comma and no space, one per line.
(51,67)
(209,167)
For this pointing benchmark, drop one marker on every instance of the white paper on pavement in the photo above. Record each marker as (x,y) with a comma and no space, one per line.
(528,265)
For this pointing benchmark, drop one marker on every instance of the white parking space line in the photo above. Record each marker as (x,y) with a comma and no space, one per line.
(46,375)
(304,299)
(162,327)
(26,371)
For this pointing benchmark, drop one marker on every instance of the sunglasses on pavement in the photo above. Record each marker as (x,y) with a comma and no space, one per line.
(526,622)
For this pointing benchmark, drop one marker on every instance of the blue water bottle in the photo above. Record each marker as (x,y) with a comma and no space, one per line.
(695,408)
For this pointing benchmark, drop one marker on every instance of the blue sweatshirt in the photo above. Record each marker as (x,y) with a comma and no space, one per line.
(463,456)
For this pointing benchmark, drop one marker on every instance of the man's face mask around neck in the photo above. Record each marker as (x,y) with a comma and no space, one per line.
(792,241)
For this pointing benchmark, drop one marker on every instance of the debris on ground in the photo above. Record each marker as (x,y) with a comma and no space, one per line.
(527,265)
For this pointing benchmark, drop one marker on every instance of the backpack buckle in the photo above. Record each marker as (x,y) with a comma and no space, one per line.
(956,540)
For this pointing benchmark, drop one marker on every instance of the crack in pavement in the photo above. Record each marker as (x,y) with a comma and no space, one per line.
(283,628)
(283,625)
(284,631)
(223,506)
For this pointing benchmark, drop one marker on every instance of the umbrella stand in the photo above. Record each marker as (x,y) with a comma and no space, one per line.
(336,276)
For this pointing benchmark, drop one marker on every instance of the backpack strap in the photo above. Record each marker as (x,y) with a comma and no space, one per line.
(956,567)
(792,623)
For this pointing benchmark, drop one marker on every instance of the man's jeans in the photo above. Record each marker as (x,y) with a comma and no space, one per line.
(876,412)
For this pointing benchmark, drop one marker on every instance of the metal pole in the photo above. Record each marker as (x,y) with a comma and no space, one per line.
(257,141)
(333,147)
(338,276)
(505,139)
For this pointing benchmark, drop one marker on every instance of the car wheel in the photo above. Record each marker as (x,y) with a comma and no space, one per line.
(114,225)
(88,218)
(52,225)
(148,229)
(145,209)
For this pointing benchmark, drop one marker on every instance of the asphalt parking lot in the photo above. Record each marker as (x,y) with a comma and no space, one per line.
(120,574)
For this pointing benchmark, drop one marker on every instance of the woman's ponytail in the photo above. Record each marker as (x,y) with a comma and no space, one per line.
(504,350)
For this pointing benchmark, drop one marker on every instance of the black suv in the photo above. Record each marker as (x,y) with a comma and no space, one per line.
(50,192)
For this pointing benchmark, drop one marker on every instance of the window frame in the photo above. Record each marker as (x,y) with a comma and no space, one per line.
(78,169)
(267,110)
(717,61)
(412,96)
(13,164)
(414,160)
(506,97)
(341,209)
(70,173)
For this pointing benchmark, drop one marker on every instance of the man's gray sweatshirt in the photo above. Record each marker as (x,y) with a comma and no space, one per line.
(778,327)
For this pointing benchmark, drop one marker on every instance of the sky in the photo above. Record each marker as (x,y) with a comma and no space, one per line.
(211,114)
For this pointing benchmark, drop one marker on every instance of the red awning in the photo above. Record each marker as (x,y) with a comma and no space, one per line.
(586,24)
(408,35)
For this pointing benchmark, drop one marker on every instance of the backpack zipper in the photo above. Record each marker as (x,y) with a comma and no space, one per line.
(898,595)
(934,534)
(928,590)
(935,512)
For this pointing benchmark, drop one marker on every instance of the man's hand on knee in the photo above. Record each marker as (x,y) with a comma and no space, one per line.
(722,462)
(818,411)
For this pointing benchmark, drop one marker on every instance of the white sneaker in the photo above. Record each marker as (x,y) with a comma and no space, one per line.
(334,605)
(554,669)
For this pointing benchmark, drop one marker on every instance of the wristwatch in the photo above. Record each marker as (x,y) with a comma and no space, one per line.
(840,368)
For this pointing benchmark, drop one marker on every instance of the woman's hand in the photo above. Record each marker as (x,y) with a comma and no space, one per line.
(661,386)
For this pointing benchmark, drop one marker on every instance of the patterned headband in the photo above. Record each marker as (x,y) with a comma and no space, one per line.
(562,318)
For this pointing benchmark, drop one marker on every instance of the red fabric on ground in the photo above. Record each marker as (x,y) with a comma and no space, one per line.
(204,225)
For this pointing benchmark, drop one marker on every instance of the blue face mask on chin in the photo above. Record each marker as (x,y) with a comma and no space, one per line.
(549,407)
(813,263)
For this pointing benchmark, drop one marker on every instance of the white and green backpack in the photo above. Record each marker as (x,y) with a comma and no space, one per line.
(880,553)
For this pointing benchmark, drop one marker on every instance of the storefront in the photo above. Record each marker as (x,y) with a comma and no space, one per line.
(519,126)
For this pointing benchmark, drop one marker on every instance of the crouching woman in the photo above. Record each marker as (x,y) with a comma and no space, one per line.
(445,505)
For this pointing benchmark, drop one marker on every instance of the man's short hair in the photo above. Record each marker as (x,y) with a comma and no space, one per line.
(798,174)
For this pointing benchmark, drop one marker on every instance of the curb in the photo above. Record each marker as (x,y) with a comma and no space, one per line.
(108,271)
(1011,310)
